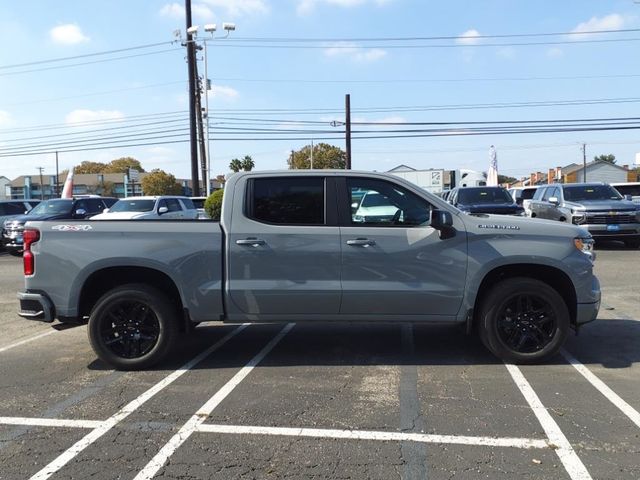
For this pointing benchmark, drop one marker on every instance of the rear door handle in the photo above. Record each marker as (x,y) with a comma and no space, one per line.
(362,242)
(254,242)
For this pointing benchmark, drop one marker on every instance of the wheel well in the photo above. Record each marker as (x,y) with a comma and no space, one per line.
(102,281)
(553,277)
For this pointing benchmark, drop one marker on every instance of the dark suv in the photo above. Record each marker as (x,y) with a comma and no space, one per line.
(476,200)
(54,209)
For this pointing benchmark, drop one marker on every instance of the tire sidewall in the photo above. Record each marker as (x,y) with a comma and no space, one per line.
(493,305)
(156,302)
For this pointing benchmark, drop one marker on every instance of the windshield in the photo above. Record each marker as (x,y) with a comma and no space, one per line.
(591,192)
(472,196)
(375,200)
(132,206)
(52,207)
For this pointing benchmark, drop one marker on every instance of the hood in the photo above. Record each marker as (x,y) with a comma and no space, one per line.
(603,205)
(501,224)
(22,219)
(122,215)
(496,208)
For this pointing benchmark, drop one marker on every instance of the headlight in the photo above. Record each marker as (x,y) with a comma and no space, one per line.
(578,218)
(585,245)
(358,218)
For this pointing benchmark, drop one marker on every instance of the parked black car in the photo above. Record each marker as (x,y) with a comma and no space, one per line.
(484,200)
(54,209)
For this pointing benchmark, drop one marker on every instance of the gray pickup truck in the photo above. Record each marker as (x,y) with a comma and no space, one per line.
(291,247)
(598,207)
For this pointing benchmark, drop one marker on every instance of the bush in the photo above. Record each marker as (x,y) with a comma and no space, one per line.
(213,205)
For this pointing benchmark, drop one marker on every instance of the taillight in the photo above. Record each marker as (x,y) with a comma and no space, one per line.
(29,236)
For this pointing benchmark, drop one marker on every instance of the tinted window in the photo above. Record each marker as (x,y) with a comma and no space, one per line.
(633,190)
(474,196)
(385,204)
(94,205)
(173,204)
(52,207)
(591,192)
(189,204)
(288,201)
(527,193)
(551,192)
(133,206)
(539,193)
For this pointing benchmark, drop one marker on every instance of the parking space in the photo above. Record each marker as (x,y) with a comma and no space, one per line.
(325,401)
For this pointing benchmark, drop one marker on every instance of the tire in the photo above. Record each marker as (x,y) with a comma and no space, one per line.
(523,320)
(15,253)
(132,327)
(632,243)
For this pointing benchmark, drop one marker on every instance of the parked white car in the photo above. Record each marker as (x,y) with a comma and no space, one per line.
(373,208)
(522,196)
(150,208)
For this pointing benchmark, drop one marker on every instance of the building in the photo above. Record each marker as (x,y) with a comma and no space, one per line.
(596,171)
(5,189)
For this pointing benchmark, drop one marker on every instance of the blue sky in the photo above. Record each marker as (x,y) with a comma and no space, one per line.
(309,83)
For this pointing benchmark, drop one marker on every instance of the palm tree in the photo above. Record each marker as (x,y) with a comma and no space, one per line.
(248,163)
(235,165)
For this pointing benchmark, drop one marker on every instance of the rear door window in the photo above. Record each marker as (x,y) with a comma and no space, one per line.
(287,201)
(173,204)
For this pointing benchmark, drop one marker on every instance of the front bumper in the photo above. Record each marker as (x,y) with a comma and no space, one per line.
(620,231)
(35,306)
(588,312)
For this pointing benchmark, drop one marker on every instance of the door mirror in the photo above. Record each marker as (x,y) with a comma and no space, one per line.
(354,205)
(628,197)
(162,210)
(80,213)
(554,200)
(440,219)
(106,210)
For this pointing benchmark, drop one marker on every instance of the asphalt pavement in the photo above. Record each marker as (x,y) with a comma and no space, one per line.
(325,401)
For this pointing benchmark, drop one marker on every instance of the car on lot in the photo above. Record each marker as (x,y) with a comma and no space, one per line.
(630,189)
(76,208)
(198,203)
(13,208)
(150,208)
(477,200)
(596,206)
(522,196)
(374,207)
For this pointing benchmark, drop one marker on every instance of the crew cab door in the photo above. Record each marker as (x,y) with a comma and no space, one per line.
(284,246)
(392,263)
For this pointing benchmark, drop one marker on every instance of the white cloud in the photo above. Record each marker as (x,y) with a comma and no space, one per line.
(69,34)
(613,21)
(173,10)
(470,37)
(555,52)
(305,7)
(199,11)
(351,50)
(5,118)
(81,116)
(221,92)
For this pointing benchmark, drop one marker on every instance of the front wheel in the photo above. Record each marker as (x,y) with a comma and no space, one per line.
(132,327)
(523,320)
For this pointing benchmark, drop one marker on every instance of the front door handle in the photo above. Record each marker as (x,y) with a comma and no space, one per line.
(362,242)
(254,242)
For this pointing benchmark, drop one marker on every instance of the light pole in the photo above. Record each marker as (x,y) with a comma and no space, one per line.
(210,28)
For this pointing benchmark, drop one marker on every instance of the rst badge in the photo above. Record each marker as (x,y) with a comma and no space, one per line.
(72,228)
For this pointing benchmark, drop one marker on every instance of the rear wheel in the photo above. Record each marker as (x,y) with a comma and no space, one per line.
(132,327)
(523,320)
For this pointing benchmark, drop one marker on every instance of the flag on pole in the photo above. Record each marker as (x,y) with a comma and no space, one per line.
(492,174)
(67,190)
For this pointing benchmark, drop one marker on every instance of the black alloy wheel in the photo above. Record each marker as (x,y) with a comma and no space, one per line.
(523,320)
(132,327)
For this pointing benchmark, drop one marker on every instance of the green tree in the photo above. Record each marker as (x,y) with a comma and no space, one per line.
(235,165)
(122,165)
(158,182)
(605,158)
(247,163)
(324,156)
(505,179)
(90,167)
(213,204)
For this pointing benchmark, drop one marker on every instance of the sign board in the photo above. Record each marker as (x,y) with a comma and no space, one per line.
(134,175)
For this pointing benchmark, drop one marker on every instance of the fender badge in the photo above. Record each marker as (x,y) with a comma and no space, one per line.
(72,228)
(499,227)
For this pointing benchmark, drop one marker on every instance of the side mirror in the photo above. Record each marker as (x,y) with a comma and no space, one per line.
(440,219)
(80,213)
(628,197)
(106,210)
(354,205)
(162,210)
(554,200)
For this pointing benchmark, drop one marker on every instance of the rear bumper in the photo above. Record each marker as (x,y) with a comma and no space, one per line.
(35,306)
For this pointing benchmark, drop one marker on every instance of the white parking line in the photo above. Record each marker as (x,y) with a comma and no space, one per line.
(572,463)
(201,415)
(612,396)
(128,409)
(50,422)
(377,436)
(27,340)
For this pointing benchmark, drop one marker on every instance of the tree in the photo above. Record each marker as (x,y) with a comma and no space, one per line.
(247,163)
(122,165)
(324,156)
(213,204)
(235,165)
(605,158)
(90,167)
(158,182)
(505,179)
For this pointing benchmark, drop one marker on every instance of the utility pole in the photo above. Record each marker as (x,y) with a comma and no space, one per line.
(202,140)
(191,62)
(584,163)
(57,180)
(347,131)
(312,154)
(41,185)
